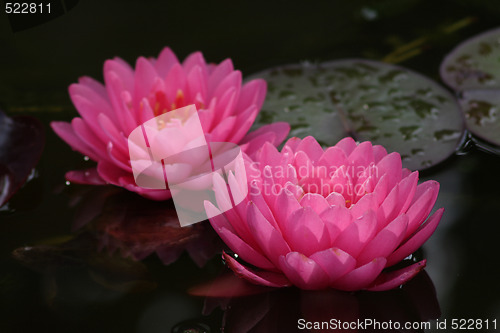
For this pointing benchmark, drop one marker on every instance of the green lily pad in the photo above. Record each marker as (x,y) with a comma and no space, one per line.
(474,64)
(482,113)
(473,70)
(389,105)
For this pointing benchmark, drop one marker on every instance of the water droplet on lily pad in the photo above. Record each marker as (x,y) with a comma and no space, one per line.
(389,105)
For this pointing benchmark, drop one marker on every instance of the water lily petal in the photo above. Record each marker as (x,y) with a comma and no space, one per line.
(286,204)
(303,271)
(347,145)
(423,201)
(269,239)
(421,235)
(335,262)
(386,241)
(316,201)
(89,176)
(252,93)
(263,278)
(218,74)
(311,147)
(305,232)
(336,219)
(362,155)
(361,277)
(391,280)
(245,251)
(166,59)
(353,239)
(65,131)
(391,166)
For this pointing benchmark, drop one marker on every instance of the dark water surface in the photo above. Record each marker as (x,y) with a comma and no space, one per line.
(56,270)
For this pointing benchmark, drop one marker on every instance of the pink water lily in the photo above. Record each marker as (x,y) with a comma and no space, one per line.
(335,218)
(130,97)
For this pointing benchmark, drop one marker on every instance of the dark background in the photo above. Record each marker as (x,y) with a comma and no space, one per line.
(38,64)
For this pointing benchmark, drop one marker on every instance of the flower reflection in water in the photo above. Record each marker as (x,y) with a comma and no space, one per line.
(250,308)
(74,273)
(114,230)
(135,227)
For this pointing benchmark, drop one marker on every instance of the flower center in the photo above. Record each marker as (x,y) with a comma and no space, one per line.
(161,104)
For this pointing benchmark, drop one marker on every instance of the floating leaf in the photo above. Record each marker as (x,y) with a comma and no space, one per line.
(473,70)
(386,104)
(21,143)
(482,112)
(474,64)
(44,257)
(121,274)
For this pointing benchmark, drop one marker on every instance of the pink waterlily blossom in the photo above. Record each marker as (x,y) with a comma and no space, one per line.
(129,97)
(335,218)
